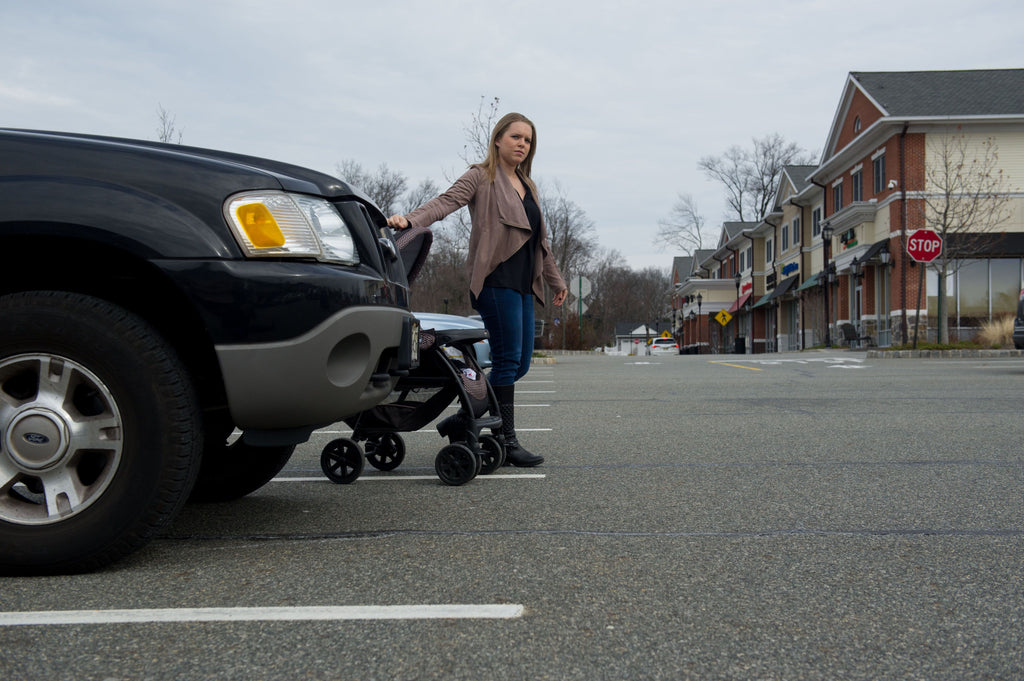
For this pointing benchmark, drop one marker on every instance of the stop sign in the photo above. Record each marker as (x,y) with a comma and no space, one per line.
(924,245)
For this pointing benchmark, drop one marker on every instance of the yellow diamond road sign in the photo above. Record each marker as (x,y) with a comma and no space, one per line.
(723,317)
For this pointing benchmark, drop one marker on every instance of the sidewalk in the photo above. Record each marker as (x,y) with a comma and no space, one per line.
(867,353)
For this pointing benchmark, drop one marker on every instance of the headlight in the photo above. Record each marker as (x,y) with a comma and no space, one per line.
(277,224)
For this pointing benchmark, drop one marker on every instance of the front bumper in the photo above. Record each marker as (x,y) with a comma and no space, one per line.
(346,364)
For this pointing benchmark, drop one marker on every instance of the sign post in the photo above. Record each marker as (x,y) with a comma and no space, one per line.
(923,246)
(579,286)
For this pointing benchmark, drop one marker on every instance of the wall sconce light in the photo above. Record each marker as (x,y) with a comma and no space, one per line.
(885,257)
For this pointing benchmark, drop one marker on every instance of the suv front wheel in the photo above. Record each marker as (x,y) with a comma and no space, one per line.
(101,432)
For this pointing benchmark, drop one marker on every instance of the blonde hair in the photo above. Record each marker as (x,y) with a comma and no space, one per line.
(490,164)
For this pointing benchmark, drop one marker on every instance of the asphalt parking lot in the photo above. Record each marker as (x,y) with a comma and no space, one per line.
(800,516)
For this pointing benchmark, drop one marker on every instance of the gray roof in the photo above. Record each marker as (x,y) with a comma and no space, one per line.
(682,265)
(799,176)
(734,229)
(701,256)
(946,93)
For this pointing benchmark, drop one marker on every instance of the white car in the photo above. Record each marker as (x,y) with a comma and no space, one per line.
(663,346)
(432,320)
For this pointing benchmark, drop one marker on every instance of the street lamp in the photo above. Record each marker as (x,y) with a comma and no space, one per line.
(689,334)
(700,334)
(736,329)
(826,238)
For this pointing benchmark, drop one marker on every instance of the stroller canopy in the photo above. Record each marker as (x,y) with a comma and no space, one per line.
(414,245)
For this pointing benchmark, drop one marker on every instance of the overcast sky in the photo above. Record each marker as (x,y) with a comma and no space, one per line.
(627,96)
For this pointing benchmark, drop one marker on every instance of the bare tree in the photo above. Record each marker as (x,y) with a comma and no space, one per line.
(384,186)
(684,229)
(420,194)
(651,290)
(732,170)
(478,131)
(966,199)
(570,231)
(477,136)
(622,294)
(751,176)
(166,130)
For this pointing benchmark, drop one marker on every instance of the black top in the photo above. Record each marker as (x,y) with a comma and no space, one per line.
(516,273)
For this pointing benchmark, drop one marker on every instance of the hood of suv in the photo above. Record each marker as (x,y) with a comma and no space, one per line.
(177,158)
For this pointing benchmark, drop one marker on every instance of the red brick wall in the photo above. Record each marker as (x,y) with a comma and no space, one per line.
(859,106)
(915,149)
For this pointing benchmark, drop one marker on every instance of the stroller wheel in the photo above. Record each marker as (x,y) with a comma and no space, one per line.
(492,454)
(385,453)
(456,464)
(341,461)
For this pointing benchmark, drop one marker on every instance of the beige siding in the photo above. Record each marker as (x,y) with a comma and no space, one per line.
(1007,145)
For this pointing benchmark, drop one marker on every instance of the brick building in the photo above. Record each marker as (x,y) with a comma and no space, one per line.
(879,178)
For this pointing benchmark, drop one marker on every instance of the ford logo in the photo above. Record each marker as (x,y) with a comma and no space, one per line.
(36,438)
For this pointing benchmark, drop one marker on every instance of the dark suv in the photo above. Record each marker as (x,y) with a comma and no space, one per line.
(157,299)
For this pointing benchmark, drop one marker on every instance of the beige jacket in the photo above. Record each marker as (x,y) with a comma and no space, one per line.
(500,228)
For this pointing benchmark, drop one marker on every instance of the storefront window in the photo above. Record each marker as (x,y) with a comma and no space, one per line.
(1006,284)
(980,290)
(972,290)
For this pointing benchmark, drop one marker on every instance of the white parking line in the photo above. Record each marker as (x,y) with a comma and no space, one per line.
(431,431)
(354,612)
(403,478)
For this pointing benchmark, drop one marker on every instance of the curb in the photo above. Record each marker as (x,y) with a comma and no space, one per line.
(944,354)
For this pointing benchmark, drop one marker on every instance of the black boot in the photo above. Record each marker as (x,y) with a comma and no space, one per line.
(454,427)
(515,453)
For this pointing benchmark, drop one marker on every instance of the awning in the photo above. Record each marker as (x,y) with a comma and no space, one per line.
(739,303)
(762,300)
(863,254)
(875,249)
(813,281)
(779,290)
(783,288)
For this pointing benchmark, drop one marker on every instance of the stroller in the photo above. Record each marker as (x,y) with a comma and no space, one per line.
(448,370)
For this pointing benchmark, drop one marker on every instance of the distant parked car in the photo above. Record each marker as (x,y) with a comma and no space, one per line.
(1018,323)
(663,346)
(432,320)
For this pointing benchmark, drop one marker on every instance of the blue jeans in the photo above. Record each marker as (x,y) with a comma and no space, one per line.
(508,317)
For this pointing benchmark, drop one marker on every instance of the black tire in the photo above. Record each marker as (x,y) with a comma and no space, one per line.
(492,454)
(456,464)
(231,471)
(385,452)
(100,417)
(341,461)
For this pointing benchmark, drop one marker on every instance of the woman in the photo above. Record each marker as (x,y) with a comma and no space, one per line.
(509,260)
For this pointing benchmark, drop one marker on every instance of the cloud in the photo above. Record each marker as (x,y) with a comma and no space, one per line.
(627,100)
(23,96)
